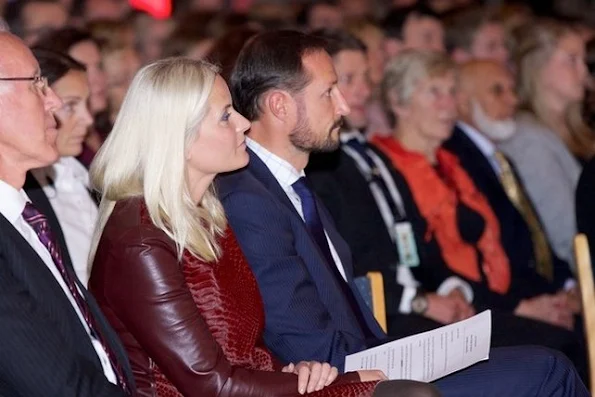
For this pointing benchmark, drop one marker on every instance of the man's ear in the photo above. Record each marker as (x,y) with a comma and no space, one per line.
(460,55)
(464,105)
(279,104)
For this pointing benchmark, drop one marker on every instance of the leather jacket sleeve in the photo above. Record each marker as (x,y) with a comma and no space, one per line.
(154,303)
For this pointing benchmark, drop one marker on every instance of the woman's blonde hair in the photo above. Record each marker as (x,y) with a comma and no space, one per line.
(403,73)
(533,45)
(145,155)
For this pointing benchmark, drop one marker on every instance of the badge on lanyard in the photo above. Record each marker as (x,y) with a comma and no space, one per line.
(406,244)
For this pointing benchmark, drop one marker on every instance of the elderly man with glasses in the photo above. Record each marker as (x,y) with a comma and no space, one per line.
(55,342)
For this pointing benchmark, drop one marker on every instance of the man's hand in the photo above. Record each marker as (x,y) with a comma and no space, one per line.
(573,297)
(312,375)
(552,309)
(448,309)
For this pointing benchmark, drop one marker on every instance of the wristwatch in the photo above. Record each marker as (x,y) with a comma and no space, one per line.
(419,304)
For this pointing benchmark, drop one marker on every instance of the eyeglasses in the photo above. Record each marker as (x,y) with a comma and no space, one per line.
(39,82)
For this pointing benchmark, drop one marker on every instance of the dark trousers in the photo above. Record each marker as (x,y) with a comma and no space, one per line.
(524,371)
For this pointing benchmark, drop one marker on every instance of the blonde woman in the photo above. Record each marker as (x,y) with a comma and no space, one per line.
(167,271)
(552,139)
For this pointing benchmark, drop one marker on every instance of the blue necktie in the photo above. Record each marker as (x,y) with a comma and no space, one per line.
(314,225)
(312,218)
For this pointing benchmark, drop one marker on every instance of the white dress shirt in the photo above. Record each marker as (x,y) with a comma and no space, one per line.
(11,207)
(66,185)
(286,175)
(485,146)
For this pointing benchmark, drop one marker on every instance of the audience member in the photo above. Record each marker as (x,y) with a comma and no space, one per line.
(356,185)
(415,27)
(81,46)
(56,340)
(151,35)
(551,137)
(114,10)
(476,33)
(321,15)
(302,266)
(119,58)
(158,212)
(65,184)
(487,102)
(30,19)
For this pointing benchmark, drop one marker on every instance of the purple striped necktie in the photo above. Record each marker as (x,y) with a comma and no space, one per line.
(41,226)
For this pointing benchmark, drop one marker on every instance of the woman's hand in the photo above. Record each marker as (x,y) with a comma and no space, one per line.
(368,375)
(312,375)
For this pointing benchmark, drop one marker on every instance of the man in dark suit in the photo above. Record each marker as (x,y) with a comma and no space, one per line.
(285,83)
(486,104)
(55,340)
(357,187)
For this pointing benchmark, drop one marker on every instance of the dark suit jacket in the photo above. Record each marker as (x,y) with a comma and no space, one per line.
(346,194)
(46,350)
(515,234)
(307,315)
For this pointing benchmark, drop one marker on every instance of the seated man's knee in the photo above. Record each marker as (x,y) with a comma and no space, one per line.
(405,388)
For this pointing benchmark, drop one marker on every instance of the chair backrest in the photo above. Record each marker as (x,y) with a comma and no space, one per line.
(585,277)
(371,287)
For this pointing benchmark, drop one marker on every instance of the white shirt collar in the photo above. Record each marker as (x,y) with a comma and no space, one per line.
(63,175)
(283,172)
(346,136)
(13,202)
(484,144)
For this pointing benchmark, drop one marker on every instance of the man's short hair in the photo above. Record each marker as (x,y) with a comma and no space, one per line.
(271,60)
(462,25)
(340,40)
(395,21)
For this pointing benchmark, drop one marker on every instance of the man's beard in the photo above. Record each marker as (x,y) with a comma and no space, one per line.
(494,130)
(303,137)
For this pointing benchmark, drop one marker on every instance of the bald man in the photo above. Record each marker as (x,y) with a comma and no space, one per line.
(486,103)
(55,342)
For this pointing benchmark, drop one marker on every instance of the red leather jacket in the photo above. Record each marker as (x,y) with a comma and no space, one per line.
(189,328)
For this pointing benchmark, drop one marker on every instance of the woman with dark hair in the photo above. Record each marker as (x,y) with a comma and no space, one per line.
(66,183)
(81,46)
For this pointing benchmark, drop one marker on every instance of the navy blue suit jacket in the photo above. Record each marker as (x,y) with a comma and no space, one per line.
(306,314)
(515,234)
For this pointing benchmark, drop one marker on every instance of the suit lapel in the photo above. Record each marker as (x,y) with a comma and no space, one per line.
(469,149)
(261,172)
(31,270)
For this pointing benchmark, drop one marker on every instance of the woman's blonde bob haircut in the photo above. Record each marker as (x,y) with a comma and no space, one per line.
(534,44)
(406,70)
(145,155)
